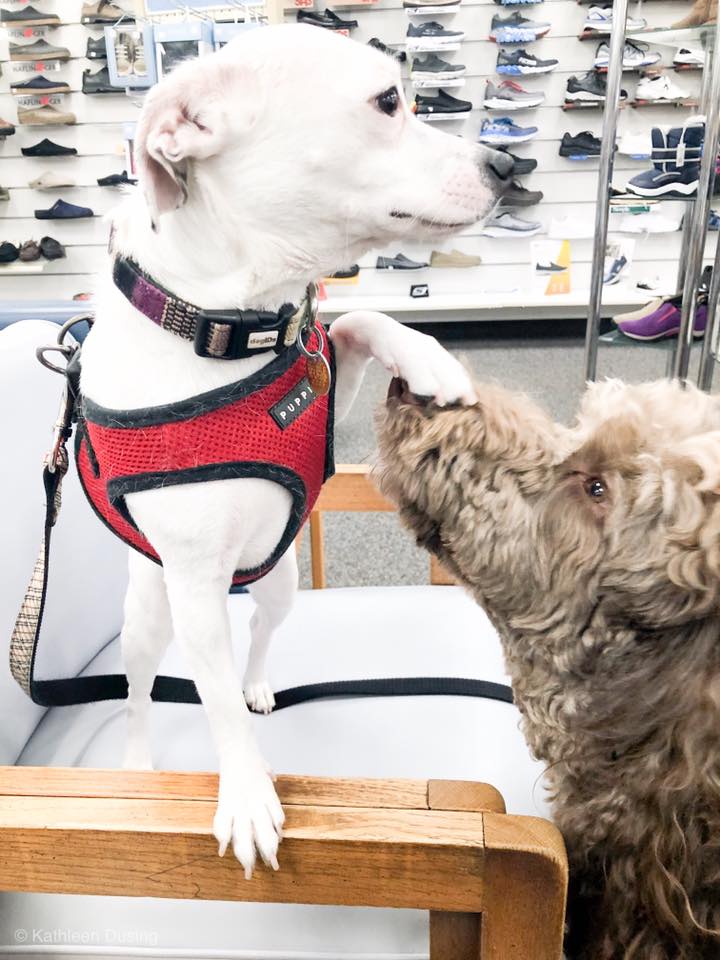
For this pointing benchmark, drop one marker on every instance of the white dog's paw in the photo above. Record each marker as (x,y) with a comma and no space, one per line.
(249,817)
(430,371)
(258,695)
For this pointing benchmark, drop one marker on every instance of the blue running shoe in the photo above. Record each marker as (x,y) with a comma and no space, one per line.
(504,131)
(714,220)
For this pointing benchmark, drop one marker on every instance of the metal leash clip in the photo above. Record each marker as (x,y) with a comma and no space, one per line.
(318,369)
(56,458)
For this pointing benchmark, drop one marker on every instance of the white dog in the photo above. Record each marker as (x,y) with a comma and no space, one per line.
(280,159)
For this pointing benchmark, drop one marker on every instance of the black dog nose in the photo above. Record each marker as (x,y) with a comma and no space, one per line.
(502,165)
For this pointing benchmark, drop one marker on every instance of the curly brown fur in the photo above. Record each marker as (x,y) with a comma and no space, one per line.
(608,607)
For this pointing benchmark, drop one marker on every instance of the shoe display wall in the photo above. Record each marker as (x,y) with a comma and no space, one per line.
(496,72)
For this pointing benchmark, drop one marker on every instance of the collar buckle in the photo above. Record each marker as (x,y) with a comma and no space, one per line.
(235,334)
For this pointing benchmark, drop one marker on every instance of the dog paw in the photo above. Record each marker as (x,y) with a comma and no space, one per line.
(259,696)
(430,371)
(249,817)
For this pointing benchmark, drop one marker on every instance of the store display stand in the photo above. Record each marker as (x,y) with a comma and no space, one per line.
(696,218)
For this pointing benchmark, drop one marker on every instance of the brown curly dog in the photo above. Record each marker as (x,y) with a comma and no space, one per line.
(595,550)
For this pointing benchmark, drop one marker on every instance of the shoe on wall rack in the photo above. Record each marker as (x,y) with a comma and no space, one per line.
(683,158)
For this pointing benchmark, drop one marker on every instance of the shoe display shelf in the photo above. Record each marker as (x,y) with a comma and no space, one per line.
(442,11)
(689,103)
(587,105)
(437,84)
(694,228)
(17,269)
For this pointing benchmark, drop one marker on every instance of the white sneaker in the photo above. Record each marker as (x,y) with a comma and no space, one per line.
(51,180)
(571,228)
(635,145)
(600,20)
(508,225)
(139,65)
(689,56)
(123,54)
(635,55)
(646,223)
(659,88)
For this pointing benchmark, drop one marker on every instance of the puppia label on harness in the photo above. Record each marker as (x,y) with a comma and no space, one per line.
(293,404)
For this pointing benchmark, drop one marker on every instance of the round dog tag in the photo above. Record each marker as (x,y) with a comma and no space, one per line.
(318,374)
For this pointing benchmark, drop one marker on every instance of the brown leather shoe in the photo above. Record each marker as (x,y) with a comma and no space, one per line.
(43,116)
(29,251)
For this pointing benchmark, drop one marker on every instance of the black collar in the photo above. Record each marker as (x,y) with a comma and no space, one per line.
(222,334)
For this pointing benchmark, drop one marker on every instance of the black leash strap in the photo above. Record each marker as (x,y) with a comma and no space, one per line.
(76,690)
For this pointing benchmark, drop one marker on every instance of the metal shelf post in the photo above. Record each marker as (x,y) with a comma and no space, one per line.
(607,159)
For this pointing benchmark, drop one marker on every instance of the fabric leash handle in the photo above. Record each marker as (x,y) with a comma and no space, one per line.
(90,689)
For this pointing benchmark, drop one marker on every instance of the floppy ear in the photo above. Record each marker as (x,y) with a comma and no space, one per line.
(189,115)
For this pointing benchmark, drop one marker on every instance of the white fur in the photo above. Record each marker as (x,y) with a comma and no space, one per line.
(263,167)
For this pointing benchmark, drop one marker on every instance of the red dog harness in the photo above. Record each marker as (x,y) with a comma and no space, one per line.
(270,425)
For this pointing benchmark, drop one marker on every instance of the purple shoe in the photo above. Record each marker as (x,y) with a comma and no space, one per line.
(664,321)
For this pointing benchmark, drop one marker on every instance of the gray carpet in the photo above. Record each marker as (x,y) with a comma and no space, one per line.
(542,358)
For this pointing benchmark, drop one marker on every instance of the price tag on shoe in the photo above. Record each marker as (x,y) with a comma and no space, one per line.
(35,66)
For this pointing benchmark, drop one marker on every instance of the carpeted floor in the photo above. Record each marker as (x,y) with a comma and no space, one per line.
(545,359)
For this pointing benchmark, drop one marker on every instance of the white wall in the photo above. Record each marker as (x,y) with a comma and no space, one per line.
(569,186)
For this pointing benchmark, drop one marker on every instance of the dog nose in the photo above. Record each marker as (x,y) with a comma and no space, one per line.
(502,165)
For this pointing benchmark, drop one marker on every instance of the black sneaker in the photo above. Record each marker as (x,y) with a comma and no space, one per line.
(7,129)
(549,266)
(590,88)
(29,17)
(115,180)
(399,262)
(96,49)
(327,19)
(98,82)
(8,252)
(398,55)
(442,104)
(518,63)
(39,84)
(518,196)
(580,146)
(523,165)
(46,148)
(431,32)
(432,67)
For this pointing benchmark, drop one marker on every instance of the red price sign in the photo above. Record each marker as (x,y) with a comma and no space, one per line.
(39,66)
(303,3)
(44,101)
(27,32)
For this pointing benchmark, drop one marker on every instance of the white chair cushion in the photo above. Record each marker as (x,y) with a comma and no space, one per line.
(330,635)
(88,564)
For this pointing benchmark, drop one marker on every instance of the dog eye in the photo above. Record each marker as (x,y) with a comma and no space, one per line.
(388,101)
(595,489)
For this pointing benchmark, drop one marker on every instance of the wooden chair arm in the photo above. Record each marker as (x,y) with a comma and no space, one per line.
(351,489)
(350,842)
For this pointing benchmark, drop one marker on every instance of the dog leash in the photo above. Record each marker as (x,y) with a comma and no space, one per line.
(89,689)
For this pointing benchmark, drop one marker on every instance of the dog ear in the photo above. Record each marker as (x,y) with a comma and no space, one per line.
(188,116)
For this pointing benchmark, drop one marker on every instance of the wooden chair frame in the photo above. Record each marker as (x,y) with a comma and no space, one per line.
(495,885)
